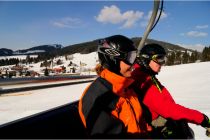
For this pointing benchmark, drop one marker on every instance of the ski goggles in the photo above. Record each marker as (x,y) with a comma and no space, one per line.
(130,57)
(127,57)
(159,58)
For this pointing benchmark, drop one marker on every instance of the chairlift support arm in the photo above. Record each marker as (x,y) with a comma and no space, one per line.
(150,24)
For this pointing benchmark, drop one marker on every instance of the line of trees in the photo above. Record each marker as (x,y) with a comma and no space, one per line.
(11,61)
(16,61)
(28,60)
(178,57)
(173,58)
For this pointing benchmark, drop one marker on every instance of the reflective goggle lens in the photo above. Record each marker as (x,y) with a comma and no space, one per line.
(131,57)
(160,59)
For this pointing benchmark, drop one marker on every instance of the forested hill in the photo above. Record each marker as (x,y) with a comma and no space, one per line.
(91,46)
(5,52)
(83,48)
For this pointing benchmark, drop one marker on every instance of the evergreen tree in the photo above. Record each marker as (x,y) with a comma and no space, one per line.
(178,57)
(170,59)
(192,58)
(197,56)
(27,59)
(70,63)
(59,62)
(46,72)
(185,57)
(45,63)
(206,54)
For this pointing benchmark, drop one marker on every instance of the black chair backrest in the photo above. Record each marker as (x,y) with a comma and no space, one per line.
(60,122)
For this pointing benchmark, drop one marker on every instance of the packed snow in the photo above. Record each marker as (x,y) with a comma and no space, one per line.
(187,83)
(18,105)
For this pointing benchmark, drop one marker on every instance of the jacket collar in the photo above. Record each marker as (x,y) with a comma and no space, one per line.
(144,69)
(119,83)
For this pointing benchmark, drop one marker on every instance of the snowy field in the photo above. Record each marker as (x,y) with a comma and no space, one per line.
(18,105)
(188,84)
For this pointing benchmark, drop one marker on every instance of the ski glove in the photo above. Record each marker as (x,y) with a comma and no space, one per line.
(205,122)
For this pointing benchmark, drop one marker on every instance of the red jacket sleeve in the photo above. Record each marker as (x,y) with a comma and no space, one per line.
(162,103)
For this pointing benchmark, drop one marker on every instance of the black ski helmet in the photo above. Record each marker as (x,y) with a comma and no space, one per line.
(113,49)
(149,51)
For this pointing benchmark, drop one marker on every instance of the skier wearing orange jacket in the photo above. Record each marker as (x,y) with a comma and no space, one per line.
(161,106)
(109,107)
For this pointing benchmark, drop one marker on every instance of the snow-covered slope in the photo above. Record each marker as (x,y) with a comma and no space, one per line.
(82,62)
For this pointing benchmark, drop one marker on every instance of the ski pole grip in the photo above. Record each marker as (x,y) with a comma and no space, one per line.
(208,132)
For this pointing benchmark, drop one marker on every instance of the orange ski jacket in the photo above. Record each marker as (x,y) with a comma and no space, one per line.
(109,106)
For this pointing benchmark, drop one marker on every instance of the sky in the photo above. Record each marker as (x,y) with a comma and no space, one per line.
(25,24)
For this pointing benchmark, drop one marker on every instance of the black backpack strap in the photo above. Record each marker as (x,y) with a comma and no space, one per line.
(98,102)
